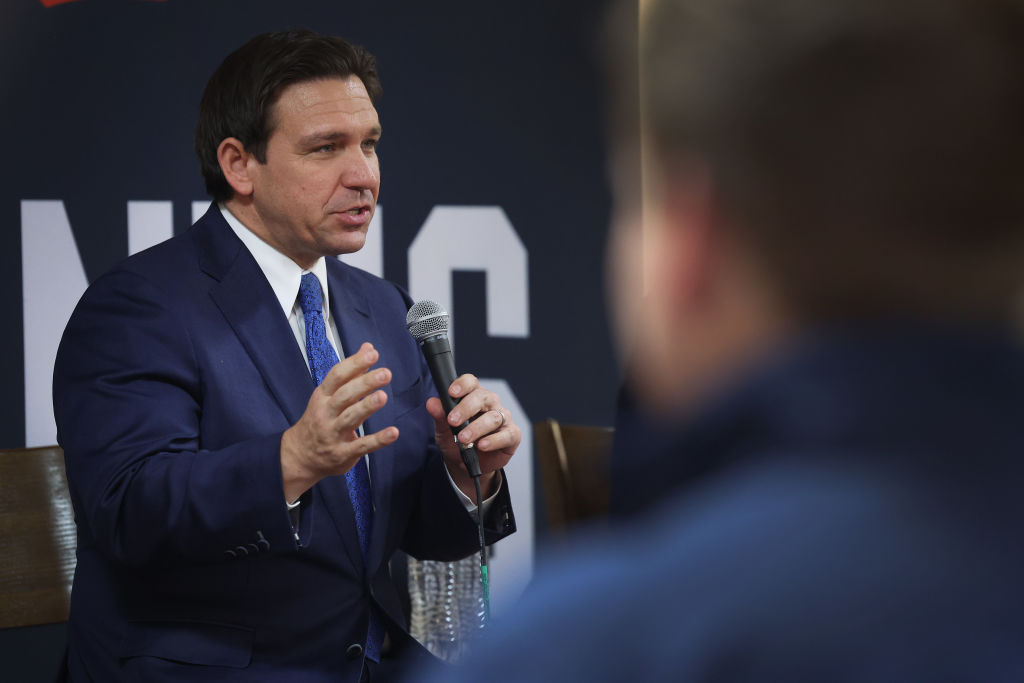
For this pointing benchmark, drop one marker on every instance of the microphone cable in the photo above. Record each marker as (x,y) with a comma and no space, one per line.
(485,581)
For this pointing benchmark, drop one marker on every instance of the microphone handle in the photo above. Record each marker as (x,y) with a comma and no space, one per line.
(438,352)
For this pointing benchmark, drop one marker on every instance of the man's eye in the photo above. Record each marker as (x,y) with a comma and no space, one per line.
(325,148)
(370,145)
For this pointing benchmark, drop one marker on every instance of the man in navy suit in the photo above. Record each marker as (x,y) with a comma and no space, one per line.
(826,351)
(212,438)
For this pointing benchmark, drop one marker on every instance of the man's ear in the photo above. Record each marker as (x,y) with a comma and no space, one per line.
(236,165)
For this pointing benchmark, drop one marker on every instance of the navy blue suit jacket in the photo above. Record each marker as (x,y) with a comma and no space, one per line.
(850,512)
(175,379)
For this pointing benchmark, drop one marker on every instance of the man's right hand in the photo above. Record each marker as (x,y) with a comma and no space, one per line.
(325,441)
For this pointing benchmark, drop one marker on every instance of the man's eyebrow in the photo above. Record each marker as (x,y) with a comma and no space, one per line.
(333,136)
(321,136)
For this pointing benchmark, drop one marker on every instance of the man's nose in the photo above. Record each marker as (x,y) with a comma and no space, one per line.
(361,172)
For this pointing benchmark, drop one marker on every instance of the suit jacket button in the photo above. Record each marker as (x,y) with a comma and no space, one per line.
(241,550)
(354,651)
(228,554)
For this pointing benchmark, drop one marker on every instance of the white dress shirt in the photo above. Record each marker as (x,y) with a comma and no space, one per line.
(284,276)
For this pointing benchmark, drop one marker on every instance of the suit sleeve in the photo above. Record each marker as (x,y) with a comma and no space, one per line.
(127,402)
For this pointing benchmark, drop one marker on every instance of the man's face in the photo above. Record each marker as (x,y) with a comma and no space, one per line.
(706,310)
(641,306)
(317,191)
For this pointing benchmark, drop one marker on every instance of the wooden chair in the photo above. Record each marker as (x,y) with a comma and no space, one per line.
(575,472)
(37,537)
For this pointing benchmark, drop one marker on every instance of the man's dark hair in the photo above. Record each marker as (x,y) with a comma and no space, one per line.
(871,151)
(240,96)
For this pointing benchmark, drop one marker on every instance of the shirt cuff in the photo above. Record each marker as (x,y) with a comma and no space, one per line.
(469,504)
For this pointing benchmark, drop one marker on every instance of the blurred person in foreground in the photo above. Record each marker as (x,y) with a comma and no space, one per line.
(834,256)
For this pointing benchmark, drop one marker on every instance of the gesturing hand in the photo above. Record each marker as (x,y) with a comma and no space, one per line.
(491,427)
(324,442)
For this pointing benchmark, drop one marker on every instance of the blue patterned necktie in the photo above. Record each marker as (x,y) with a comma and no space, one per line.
(322,358)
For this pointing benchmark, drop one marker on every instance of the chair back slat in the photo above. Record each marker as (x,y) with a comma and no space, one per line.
(37,537)
(574,463)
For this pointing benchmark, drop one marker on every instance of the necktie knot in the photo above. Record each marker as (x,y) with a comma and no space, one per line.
(311,296)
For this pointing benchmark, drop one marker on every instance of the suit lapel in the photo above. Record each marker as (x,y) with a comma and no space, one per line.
(351,312)
(247,302)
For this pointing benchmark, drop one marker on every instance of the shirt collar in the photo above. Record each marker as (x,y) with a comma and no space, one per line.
(283,274)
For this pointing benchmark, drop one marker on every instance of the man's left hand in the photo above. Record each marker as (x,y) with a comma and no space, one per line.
(490,426)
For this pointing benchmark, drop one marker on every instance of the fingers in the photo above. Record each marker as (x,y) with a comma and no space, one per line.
(489,424)
(504,439)
(491,427)
(356,414)
(325,440)
(475,399)
(376,441)
(350,368)
(351,391)
(486,416)
(436,410)
(463,385)
(308,454)
(486,423)
(357,388)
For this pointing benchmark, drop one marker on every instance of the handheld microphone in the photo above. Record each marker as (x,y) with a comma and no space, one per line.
(428,324)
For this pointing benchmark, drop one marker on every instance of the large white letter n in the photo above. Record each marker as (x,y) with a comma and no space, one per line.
(52,281)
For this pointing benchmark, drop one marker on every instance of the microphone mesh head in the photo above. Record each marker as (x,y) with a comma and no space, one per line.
(426,319)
